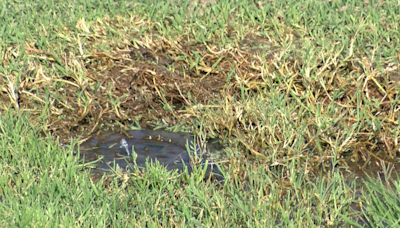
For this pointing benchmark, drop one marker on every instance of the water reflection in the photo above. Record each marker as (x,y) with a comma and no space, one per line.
(124,144)
(170,149)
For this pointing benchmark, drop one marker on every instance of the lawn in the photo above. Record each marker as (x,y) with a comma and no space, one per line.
(298,92)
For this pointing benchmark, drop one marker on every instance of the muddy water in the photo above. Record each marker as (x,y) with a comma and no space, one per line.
(372,168)
(168,148)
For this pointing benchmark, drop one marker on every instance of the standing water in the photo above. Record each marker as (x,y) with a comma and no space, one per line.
(168,148)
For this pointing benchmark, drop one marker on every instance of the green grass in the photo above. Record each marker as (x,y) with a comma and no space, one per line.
(381,199)
(288,86)
(43,184)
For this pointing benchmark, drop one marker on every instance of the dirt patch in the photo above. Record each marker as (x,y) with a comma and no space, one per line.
(153,80)
(139,84)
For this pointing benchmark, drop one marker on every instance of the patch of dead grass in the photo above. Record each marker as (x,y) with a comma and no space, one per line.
(147,78)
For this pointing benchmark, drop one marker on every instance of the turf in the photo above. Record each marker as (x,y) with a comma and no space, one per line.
(296,91)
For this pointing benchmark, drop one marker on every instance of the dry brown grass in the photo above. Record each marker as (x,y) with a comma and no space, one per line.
(264,96)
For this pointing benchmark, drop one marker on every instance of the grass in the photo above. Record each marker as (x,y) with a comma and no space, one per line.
(43,184)
(382,203)
(292,89)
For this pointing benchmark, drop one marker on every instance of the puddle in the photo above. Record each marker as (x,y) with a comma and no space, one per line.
(384,170)
(168,148)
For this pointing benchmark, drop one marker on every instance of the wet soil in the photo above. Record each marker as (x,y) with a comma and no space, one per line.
(366,171)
